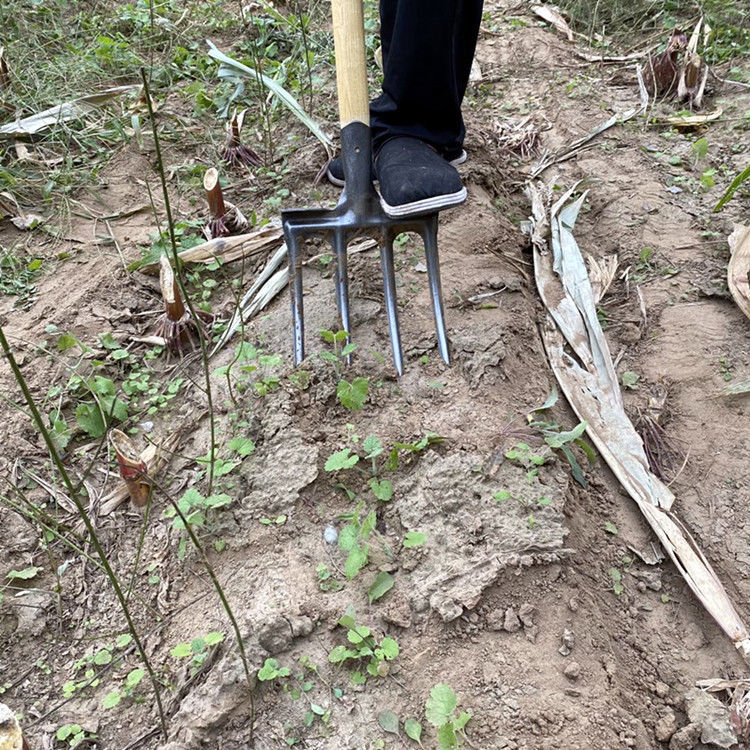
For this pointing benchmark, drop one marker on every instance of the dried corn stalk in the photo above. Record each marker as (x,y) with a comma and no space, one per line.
(225,218)
(738,271)
(520,138)
(691,121)
(582,364)
(71,110)
(133,469)
(551,14)
(228,249)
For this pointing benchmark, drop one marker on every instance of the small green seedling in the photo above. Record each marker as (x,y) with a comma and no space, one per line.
(363,647)
(72,735)
(354,540)
(126,690)
(197,510)
(272,671)
(326,581)
(197,650)
(440,711)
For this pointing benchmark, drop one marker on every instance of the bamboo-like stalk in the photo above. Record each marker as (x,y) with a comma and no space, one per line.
(4,72)
(224,217)
(74,496)
(224,602)
(234,152)
(180,281)
(132,468)
(176,325)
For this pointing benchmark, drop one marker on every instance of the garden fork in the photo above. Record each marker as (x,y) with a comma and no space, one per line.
(359,210)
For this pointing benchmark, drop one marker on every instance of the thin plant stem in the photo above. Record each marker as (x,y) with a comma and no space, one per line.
(222,596)
(139,548)
(181,280)
(303,31)
(39,422)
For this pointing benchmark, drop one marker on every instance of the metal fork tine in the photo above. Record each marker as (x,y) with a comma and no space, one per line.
(389,284)
(342,285)
(298,313)
(433,276)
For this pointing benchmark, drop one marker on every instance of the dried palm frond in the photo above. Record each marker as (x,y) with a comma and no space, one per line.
(175,325)
(224,217)
(662,71)
(132,467)
(234,152)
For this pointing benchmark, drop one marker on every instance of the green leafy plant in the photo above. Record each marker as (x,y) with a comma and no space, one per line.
(197,650)
(735,185)
(272,671)
(353,395)
(96,416)
(382,584)
(363,648)
(341,460)
(126,690)
(354,540)
(440,711)
(197,511)
(630,380)
(326,581)
(414,539)
(72,735)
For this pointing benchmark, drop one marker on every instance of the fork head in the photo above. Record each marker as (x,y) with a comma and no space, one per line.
(359,213)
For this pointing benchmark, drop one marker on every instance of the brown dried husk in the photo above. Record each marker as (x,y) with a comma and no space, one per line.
(661,73)
(234,152)
(176,324)
(132,468)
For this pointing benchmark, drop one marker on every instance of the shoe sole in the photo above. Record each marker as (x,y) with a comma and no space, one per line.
(341,183)
(425,205)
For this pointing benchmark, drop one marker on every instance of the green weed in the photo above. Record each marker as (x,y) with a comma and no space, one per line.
(440,711)
(363,649)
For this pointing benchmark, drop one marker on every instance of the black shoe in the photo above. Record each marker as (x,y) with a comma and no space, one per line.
(335,169)
(414,178)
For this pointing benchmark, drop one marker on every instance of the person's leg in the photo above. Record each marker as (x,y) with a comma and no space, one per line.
(428,47)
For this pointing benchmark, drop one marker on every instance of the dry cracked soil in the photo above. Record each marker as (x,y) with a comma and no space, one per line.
(546,605)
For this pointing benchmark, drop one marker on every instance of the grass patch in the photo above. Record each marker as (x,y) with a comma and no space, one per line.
(623,22)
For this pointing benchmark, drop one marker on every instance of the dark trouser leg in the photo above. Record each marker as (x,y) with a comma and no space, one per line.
(428,46)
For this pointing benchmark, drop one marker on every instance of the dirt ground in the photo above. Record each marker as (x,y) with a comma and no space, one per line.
(510,603)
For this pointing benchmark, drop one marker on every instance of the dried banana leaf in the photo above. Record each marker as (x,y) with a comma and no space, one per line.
(586,376)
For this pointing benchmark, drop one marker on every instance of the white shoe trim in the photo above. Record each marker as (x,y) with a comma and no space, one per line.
(334,180)
(459,159)
(425,205)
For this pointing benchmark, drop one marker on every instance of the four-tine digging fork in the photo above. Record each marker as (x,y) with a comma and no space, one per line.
(359,210)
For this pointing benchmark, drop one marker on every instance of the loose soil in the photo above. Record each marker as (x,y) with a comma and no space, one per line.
(509,602)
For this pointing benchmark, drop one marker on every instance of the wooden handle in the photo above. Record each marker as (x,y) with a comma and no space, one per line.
(351,68)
